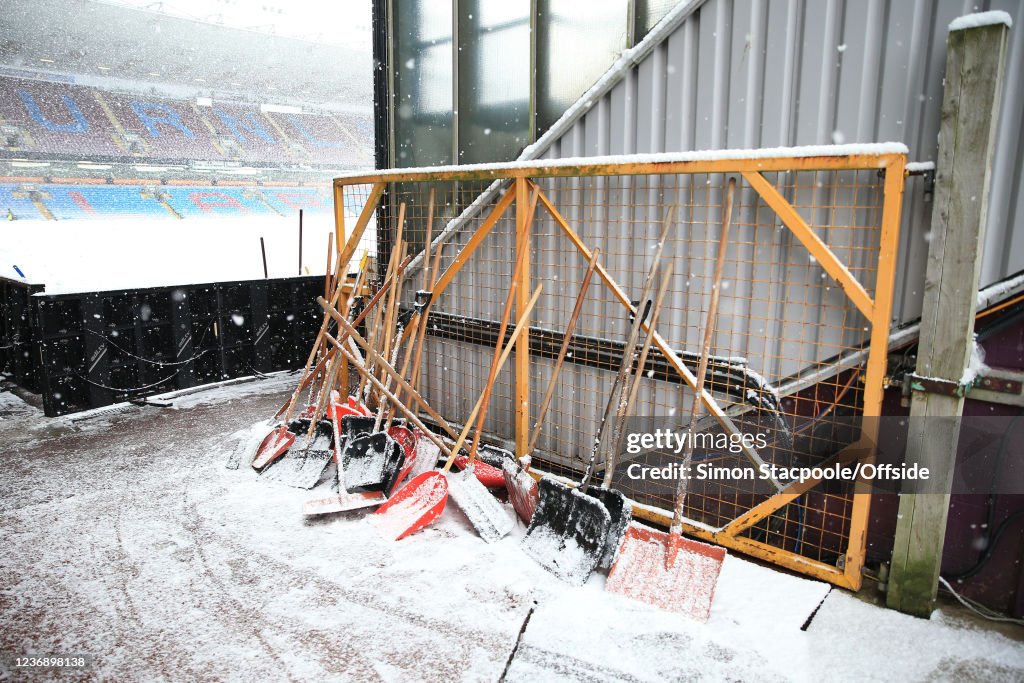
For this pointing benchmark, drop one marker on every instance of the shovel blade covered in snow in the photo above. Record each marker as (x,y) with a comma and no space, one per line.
(371,462)
(343,501)
(487,515)
(621,512)
(487,467)
(302,466)
(273,447)
(356,425)
(642,572)
(567,533)
(406,439)
(487,475)
(413,506)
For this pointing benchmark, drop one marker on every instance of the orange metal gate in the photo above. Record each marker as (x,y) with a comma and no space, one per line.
(800,346)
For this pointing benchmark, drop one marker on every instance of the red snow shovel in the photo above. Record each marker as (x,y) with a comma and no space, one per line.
(423,499)
(667,570)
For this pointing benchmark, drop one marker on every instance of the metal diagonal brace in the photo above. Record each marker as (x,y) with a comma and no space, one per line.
(818,249)
(673,358)
(485,228)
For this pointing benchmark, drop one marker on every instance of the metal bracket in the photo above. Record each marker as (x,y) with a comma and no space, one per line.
(935,385)
(999,385)
(1002,385)
(995,386)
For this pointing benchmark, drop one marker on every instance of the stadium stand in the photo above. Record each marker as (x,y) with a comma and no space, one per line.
(54,118)
(66,120)
(29,200)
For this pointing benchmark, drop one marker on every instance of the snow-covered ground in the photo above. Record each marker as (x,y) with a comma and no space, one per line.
(125,538)
(104,254)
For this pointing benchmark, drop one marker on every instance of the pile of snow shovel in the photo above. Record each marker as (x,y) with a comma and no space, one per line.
(386,457)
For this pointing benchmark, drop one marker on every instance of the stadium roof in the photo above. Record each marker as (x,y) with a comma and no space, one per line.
(110,42)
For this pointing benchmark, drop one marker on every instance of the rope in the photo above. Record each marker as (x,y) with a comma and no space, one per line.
(147,360)
(131,390)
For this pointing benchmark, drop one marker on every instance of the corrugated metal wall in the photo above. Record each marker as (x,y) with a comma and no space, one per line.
(769,73)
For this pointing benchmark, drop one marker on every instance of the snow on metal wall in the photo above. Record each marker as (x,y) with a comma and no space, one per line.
(770,73)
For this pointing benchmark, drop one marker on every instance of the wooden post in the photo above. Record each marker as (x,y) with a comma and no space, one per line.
(970,113)
(521,395)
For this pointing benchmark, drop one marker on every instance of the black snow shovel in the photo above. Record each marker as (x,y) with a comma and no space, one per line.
(302,467)
(570,529)
(371,462)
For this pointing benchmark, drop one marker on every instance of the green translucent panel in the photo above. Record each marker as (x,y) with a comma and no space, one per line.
(574,49)
(494,79)
(424,122)
(649,13)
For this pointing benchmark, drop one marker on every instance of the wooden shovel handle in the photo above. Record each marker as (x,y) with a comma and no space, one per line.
(509,299)
(628,350)
(371,353)
(523,319)
(676,528)
(619,432)
(307,376)
(388,395)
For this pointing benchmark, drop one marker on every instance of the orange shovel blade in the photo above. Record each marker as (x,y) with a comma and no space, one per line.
(642,571)
(358,406)
(489,475)
(272,447)
(413,507)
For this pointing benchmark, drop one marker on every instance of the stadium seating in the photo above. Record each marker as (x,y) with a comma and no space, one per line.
(68,120)
(34,201)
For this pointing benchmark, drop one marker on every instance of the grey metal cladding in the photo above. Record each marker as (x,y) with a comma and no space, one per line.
(770,73)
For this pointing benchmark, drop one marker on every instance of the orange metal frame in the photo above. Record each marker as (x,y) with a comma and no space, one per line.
(876,309)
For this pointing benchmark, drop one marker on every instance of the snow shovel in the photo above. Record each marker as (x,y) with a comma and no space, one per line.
(410,502)
(302,467)
(522,488)
(487,514)
(343,501)
(569,529)
(488,465)
(406,439)
(426,455)
(279,440)
(666,570)
(372,462)
(618,505)
(422,500)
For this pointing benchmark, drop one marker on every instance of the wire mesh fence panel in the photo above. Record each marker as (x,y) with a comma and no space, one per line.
(797,352)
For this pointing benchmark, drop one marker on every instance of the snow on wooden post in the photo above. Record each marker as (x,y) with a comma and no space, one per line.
(976,54)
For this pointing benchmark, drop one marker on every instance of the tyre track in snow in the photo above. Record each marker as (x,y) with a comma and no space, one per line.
(123,588)
(226,603)
(334,594)
(129,611)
